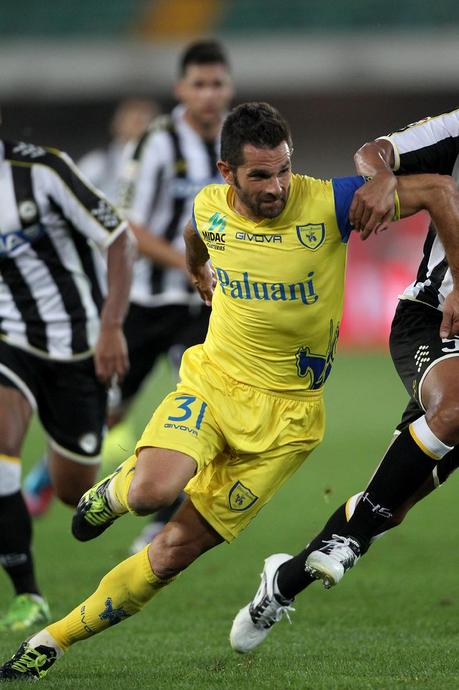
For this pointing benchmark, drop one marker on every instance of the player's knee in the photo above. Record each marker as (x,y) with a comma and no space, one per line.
(145,498)
(443,419)
(68,495)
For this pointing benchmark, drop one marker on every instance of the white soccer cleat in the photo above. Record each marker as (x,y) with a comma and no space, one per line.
(253,622)
(329,563)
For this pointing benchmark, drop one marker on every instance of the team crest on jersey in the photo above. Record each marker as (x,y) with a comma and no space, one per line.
(241,497)
(311,235)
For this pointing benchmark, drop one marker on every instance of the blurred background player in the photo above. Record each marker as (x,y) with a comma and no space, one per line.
(60,340)
(172,161)
(103,168)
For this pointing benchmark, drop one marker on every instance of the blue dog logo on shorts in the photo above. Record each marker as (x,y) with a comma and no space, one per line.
(240,497)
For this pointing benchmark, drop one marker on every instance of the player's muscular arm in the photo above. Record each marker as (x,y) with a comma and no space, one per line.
(111,356)
(372,208)
(198,264)
(158,249)
(439,195)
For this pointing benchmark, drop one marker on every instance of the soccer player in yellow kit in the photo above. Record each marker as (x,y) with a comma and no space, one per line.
(249,408)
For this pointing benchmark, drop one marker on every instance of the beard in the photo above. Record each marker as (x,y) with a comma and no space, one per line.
(264,205)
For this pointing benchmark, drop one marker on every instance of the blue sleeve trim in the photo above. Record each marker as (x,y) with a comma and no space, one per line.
(193,220)
(343,189)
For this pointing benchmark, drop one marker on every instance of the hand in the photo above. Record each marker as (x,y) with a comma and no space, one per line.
(373,205)
(203,278)
(111,356)
(450,322)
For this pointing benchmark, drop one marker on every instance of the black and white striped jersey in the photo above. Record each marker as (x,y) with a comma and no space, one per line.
(170,164)
(51,222)
(429,146)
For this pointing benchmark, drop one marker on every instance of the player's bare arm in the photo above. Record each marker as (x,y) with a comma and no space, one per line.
(373,208)
(198,264)
(158,249)
(111,355)
(439,195)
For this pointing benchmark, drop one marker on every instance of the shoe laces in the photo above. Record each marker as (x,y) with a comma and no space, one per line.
(30,659)
(343,549)
(270,611)
(98,511)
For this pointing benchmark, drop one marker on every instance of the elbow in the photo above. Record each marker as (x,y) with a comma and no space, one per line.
(443,191)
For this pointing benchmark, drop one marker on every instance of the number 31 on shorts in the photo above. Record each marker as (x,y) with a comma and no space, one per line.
(189,403)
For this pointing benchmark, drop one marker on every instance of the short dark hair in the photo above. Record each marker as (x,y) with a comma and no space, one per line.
(258,124)
(203,53)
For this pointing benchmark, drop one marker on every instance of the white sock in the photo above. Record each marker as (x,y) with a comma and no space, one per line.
(44,638)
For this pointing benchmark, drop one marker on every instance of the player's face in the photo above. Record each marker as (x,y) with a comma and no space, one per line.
(205,91)
(262,182)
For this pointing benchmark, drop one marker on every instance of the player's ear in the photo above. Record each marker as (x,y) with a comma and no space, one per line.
(226,171)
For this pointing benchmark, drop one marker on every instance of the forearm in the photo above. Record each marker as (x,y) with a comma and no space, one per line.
(375,157)
(120,257)
(158,249)
(196,251)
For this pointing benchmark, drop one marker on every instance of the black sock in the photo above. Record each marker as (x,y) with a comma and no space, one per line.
(292,577)
(404,468)
(15,539)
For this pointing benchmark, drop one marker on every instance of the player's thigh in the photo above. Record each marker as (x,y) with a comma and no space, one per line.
(72,406)
(149,333)
(15,414)
(71,478)
(181,438)
(160,475)
(231,491)
(17,396)
(416,347)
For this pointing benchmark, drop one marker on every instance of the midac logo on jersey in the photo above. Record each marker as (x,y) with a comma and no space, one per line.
(241,497)
(316,368)
(217,222)
(311,235)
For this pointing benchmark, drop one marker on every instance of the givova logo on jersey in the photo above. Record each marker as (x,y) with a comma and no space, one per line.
(316,368)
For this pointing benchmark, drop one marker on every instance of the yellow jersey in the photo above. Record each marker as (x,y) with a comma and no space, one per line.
(278,301)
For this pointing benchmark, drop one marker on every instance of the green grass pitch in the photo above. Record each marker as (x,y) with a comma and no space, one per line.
(392,623)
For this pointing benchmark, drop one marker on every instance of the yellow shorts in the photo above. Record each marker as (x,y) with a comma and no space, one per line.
(246,442)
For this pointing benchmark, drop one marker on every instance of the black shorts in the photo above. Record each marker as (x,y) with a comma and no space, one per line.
(153,331)
(70,401)
(415,346)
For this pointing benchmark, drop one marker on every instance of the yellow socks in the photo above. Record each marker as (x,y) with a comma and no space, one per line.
(118,488)
(121,593)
